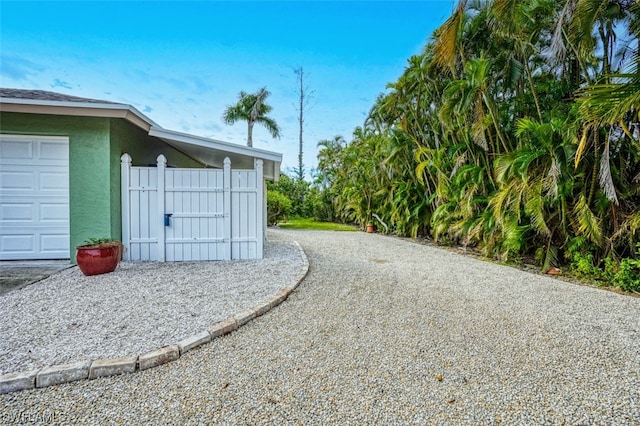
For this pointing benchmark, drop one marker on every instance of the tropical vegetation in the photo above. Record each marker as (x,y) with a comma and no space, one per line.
(516,131)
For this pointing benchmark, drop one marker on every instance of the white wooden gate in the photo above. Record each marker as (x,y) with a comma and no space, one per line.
(175,214)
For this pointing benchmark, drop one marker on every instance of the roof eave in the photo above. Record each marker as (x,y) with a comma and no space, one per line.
(214,143)
(181,141)
(86,109)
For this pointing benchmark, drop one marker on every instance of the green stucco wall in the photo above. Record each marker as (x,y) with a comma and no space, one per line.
(95,147)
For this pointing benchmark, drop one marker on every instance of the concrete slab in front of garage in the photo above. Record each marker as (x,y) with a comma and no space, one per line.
(18,274)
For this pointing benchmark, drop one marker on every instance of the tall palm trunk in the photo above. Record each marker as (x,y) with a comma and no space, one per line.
(249,133)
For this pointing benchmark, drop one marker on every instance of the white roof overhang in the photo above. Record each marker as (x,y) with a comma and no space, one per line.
(209,152)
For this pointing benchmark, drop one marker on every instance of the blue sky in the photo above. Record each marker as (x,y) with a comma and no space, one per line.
(182,63)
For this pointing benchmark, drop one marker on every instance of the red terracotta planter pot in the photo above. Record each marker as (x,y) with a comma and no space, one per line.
(94,260)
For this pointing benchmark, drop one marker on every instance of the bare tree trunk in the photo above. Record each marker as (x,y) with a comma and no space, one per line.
(301,123)
(304,96)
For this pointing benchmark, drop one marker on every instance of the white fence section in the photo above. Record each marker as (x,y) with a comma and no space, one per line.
(174,214)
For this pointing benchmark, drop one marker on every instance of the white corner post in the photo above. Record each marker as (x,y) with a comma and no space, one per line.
(226,181)
(260,199)
(162,166)
(125,183)
(264,212)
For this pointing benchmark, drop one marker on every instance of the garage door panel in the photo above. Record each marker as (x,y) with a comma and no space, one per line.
(54,243)
(34,197)
(54,181)
(54,213)
(21,209)
(17,149)
(17,180)
(13,212)
(53,151)
(35,246)
(18,244)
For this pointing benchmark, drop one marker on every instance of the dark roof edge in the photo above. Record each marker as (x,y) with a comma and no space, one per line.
(44,95)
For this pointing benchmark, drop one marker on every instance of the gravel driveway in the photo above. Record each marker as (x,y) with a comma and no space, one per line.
(389,332)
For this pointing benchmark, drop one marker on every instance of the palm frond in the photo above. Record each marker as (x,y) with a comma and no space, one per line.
(609,102)
(629,229)
(478,127)
(550,257)
(535,209)
(233,114)
(586,14)
(606,180)
(586,222)
(512,236)
(582,145)
(550,182)
(447,38)
(558,46)
(270,124)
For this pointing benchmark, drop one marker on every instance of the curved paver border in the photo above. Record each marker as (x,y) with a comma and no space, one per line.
(92,369)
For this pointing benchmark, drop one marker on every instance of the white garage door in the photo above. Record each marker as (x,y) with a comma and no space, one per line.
(34,197)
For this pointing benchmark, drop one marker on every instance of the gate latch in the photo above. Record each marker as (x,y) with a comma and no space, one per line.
(167,219)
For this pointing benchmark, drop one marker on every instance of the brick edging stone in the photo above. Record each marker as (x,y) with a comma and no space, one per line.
(82,370)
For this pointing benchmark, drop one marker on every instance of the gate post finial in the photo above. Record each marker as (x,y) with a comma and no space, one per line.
(161,169)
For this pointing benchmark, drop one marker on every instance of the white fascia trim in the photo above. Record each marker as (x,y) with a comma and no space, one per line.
(233,148)
(73,106)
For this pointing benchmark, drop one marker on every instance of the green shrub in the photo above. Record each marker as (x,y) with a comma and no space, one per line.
(627,275)
(295,190)
(581,259)
(582,265)
(278,207)
(318,205)
(624,274)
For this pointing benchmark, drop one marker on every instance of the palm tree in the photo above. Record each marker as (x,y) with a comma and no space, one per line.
(251,107)
(329,157)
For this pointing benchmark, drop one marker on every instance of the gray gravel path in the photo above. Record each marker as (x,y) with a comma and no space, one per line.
(386,331)
(140,307)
